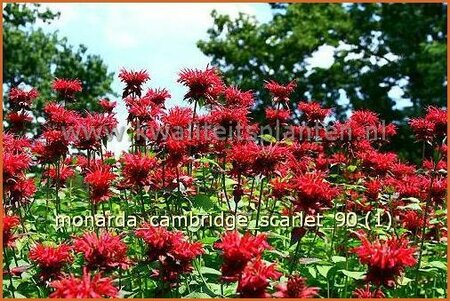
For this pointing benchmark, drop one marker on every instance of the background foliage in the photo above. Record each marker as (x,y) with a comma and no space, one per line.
(34,57)
(386,45)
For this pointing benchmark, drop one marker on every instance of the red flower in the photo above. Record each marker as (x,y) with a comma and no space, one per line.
(366,293)
(178,118)
(236,98)
(412,220)
(59,117)
(229,119)
(422,128)
(313,192)
(158,239)
(133,81)
(268,158)
(14,164)
(171,248)
(19,120)
(279,92)
(99,179)
(9,223)
(67,88)
(280,115)
(378,163)
(364,118)
(21,189)
(237,251)
(104,251)
(136,168)
(203,84)
(84,287)
(313,111)
(242,156)
(157,96)
(295,288)
(20,99)
(88,132)
(144,109)
(62,176)
(255,279)
(107,105)
(439,119)
(386,259)
(50,259)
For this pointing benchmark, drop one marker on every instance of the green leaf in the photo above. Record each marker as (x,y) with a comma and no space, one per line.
(211,271)
(198,295)
(353,274)
(268,138)
(337,259)
(324,269)
(438,264)
(203,201)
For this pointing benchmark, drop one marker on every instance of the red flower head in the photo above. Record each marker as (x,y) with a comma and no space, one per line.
(280,188)
(313,111)
(62,176)
(99,179)
(21,190)
(144,109)
(237,251)
(158,96)
(255,279)
(104,251)
(295,288)
(67,88)
(229,119)
(268,158)
(279,92)
(133,81)
(386,259)
(14,165)
(280,115)
(364,118)
(203,84)
(158,239)
(412,220)
(242,156)
(236,98)
(19,99)
(422,128)
(58,116)
(439,119)
(107,105)
(50,259)
(178,118)
(171,248)
(89,131)
(378,163)
(84,287)
(313,192)
(136,168)
(9,223)
(366,293)
(19,120)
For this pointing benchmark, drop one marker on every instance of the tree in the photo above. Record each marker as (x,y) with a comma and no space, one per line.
(377,47)
(33,57)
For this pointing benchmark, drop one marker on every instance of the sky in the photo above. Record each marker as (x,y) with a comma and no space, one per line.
(158,37)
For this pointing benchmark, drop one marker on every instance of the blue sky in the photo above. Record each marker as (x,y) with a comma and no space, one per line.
(158,37)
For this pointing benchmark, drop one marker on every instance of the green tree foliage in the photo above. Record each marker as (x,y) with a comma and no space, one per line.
(378,46)
(33,57)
